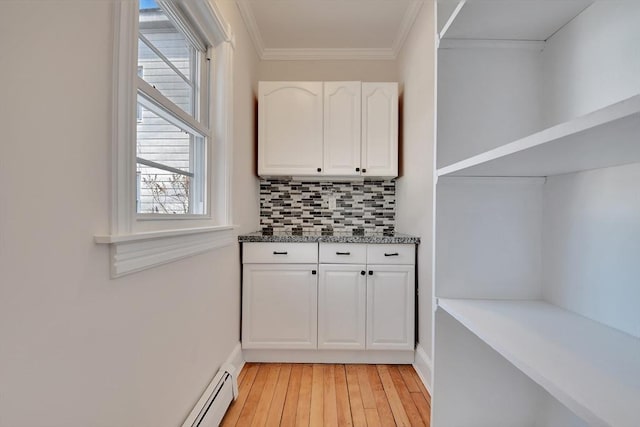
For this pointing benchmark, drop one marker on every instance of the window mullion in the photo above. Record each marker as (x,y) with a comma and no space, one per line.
(191,168)
(195,92)
(152,99)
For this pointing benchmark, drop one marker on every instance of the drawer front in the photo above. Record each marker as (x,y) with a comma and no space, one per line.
(276,253)
(343,253)
(391,254)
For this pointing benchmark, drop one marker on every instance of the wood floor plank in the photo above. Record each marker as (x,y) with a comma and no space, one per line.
(262,410)
(405,397)
(421,386)
(249,409)
(291,400)
(316,418)
(382,404)
(423,407)
(368,400)
(342,397)
(407,373)
(233,413)
(277,403)
(304,397)
(399,413)
(307,395)
(373,419)
(242,373)
(329,401)
(355,397)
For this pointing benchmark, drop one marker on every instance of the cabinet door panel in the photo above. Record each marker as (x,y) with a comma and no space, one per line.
(380,129)
(390,307)
(342,128)
(341,307)
(279,306)
(290,128)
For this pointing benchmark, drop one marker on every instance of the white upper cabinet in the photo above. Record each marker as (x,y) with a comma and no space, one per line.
(342,128)
(290,128)
(380,129)
(330,129)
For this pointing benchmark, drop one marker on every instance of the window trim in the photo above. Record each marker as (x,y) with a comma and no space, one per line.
(138,107)
(132,248)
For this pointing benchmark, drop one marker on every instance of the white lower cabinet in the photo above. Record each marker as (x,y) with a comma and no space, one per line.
(342,307)
(279,306)
(329,299)
(390,307)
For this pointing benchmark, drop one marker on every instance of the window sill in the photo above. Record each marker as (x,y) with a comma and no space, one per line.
(139,251)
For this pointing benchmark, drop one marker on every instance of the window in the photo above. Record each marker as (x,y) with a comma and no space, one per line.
(172,123)
(171,147)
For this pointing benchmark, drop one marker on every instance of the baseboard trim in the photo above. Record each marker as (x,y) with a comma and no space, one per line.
(423,367)
(233,365)
(403,357)
(236,359)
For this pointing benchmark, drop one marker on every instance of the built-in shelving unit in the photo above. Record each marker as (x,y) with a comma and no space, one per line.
(537,226)
(607,137)
(592,369)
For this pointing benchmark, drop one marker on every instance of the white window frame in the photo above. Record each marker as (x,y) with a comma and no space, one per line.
(138,243)
(138,106)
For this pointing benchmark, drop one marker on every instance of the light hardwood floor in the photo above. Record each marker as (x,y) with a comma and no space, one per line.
(273,394)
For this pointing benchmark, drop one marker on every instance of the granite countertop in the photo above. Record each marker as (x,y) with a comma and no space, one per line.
(335,237)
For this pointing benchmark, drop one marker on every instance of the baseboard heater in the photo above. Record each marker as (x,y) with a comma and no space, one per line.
(213,404)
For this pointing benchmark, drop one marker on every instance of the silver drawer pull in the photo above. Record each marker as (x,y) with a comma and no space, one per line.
(279,253)
(393,254)
(343,253)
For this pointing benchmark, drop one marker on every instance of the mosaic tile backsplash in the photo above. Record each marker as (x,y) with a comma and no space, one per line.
(303,206)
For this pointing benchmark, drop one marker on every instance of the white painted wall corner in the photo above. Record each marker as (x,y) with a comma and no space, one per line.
(236,359)
(423,366)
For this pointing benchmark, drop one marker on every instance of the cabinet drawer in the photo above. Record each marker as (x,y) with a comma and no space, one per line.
(343,253)
(285,253)
(391,254)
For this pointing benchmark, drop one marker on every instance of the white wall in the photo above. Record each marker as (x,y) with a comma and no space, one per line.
(343,70)
(77,348)
(488,238)
(593,61)
(591,245)
(491,97)
(414,212)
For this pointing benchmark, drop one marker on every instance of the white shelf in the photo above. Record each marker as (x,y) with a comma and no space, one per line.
(604,138)
(592,369)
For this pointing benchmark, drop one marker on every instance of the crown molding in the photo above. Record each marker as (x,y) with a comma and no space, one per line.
(409,18)
(297,54)
(252,26)
(327,54)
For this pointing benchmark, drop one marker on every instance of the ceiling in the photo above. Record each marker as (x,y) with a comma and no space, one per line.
(519,20)
(328,29)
